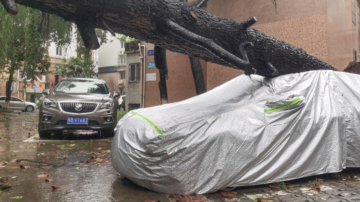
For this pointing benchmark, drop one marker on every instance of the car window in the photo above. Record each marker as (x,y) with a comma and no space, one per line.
(2,98)
(15,99)
(81,86)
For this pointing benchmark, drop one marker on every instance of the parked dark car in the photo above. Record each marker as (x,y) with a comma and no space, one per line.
(78,104)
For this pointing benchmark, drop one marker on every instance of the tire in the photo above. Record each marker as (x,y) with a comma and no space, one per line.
(29,109)
(44,134)
(109,133)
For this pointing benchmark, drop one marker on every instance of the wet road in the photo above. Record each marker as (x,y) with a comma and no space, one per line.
(80,164)
(78,168)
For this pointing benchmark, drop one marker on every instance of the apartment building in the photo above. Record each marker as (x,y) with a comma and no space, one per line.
(112,63)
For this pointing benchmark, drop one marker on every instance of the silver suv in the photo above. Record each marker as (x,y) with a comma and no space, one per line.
(78,104)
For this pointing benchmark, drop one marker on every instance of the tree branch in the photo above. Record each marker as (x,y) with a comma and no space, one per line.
(88,35)
(202,3)
(10,6)
(208,44)
(167,23)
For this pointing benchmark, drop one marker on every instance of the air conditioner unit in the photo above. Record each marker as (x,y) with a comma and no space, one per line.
(121,82)
(122,52)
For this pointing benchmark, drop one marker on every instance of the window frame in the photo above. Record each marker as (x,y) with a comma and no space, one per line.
(122,44)
(132,73)
(59,50)
(122,75)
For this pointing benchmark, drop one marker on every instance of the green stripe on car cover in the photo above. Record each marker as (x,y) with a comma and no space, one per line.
(157,129)
(282,106)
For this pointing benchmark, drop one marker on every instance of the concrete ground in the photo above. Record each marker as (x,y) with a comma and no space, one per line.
(77,167)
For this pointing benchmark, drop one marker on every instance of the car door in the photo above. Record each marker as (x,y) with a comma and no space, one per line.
(16,103)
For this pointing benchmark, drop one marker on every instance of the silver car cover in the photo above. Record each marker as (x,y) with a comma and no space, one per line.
(248,131)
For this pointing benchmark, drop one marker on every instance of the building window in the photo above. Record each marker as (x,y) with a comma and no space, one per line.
(95,56)
(47,85)
(59,51)
(122,44)
(122,60)
(134,73)
(122,75)
(355,55)
(353,11)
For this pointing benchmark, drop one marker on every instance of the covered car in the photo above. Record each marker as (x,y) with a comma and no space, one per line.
(248,131)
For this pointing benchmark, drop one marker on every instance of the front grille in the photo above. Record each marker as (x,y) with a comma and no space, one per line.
(64,123)
(70,107)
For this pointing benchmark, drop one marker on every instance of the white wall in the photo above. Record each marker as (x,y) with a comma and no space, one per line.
(109,52)
(95,58)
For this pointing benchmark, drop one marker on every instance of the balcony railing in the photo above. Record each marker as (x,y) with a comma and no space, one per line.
(132,47)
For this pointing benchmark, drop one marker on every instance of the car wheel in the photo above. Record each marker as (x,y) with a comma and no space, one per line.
(109,133)
(29,108)
(44,134)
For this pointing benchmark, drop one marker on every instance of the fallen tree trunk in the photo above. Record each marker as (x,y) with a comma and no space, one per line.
(180,27)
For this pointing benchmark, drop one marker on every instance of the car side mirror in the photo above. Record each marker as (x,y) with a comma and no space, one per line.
(46,92)
(116,95)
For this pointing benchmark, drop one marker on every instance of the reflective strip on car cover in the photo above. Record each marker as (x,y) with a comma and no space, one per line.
(157,129)
(282,106)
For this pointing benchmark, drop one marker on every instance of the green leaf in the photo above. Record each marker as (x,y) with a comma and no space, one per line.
(12,155)
(358,179)
(30,147)
(41,154)
(16,197)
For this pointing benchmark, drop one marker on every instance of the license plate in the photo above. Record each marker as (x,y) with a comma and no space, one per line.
(78,120)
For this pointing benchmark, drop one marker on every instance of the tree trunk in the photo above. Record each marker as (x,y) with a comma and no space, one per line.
(56,79)
(180,27)
(8,90)
(161,64)
(197,72)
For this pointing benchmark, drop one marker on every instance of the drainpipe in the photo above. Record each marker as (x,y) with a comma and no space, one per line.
(142,56)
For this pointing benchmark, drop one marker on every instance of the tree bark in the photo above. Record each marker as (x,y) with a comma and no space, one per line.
(8,90)
(10,6)
(161,64)
(183,28)
(198,75)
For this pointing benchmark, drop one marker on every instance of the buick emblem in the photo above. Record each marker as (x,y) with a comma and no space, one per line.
(78,107)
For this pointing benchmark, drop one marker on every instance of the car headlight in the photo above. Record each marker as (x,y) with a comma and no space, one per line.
(49,103)
(107,105)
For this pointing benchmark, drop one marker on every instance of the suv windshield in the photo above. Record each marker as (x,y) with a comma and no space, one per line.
(81,86)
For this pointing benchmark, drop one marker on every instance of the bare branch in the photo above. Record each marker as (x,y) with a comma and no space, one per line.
(248,23)
(202,3)
(210,45)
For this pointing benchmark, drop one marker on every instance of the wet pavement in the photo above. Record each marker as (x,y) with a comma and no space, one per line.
(77,167)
